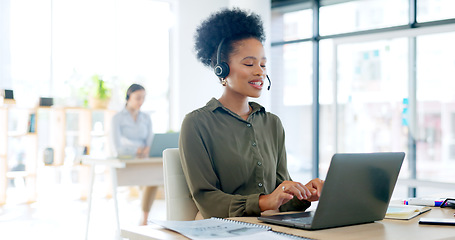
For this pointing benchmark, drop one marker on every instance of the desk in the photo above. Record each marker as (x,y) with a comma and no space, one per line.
(125,172)
(386,229)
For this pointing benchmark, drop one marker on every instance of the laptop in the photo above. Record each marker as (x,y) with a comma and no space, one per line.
(162,141)
(357,189)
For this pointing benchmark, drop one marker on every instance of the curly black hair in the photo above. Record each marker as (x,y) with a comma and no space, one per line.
(232,25)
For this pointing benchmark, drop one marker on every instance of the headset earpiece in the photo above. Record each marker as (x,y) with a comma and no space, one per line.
(221,68)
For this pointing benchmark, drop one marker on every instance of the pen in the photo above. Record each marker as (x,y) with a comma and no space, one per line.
(423,202)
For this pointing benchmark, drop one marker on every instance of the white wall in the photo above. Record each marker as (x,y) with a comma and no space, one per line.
(193,84)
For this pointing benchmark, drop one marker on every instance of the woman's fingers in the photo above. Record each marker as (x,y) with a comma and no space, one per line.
(310,191)
(297,189)
(274,200)
(315,186)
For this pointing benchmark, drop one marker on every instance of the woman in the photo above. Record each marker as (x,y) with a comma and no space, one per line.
(233,152)
(132,136)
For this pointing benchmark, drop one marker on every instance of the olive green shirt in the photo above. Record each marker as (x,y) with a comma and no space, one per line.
(229,162)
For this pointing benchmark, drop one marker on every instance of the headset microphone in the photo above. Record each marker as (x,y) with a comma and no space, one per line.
(270,82)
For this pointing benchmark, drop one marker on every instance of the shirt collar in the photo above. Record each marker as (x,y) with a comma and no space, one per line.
(214,104)
(126,112)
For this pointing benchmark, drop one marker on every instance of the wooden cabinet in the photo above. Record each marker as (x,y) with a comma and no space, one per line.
(18,147)
(3,153)
(35,138)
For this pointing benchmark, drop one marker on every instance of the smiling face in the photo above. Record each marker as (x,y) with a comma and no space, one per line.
(247,69)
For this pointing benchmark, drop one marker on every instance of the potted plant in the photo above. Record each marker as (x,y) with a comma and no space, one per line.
(100,94)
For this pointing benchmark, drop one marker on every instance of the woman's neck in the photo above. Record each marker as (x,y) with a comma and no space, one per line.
(237,105)
(134,112)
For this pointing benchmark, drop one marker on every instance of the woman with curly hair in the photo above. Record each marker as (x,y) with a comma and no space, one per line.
(233,151)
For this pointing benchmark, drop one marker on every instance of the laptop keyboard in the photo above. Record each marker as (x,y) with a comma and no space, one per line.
(303,220)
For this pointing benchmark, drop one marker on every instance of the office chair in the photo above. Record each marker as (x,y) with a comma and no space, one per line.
(179,203)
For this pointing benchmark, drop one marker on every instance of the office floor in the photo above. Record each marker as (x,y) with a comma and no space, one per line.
(60,214)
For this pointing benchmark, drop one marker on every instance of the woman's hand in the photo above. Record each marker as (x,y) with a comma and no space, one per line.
(287,190)
(283,194)
(146,152)
(143,152)
(315,187)
(274,200)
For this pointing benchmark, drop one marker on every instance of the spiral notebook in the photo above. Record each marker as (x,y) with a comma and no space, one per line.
(219,228)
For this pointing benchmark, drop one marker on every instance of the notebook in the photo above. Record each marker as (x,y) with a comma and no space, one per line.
(161,141)
(405,212)
(357,189)
(225,229)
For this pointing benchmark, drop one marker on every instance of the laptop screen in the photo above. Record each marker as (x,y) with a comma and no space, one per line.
(162,141)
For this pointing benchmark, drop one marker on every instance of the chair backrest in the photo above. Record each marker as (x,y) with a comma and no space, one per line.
(179,203)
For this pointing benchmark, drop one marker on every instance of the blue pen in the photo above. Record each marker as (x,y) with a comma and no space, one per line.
(423,202)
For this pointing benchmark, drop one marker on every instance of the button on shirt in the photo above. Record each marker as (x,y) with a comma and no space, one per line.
(128,135)
(229,162)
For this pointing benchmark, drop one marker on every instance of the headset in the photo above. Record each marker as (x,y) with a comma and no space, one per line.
(222,68)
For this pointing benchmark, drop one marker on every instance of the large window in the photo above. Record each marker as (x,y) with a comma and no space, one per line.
(371,97)
(372,84)
(289,26)
(372,89)
(30,50)
(292,91)
(354,16)
(432,10)
(56,48)
(435,136)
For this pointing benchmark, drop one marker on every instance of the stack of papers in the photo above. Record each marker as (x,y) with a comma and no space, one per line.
(405,212)
(225,229)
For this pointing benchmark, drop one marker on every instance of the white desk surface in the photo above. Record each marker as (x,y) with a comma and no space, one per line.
(386,229)
(117,162)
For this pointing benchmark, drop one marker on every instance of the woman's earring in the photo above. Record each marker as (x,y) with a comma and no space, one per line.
(223,82)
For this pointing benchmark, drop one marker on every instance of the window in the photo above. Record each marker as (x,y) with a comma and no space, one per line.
(432,10)
(368,87)
(294,25)
(362,15)
(30,50)
(292,75)
(372,84)
(68,42)
(327,87)
(435,140)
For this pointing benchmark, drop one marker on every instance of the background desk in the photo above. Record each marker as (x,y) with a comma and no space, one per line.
(125,172)
(386,229)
